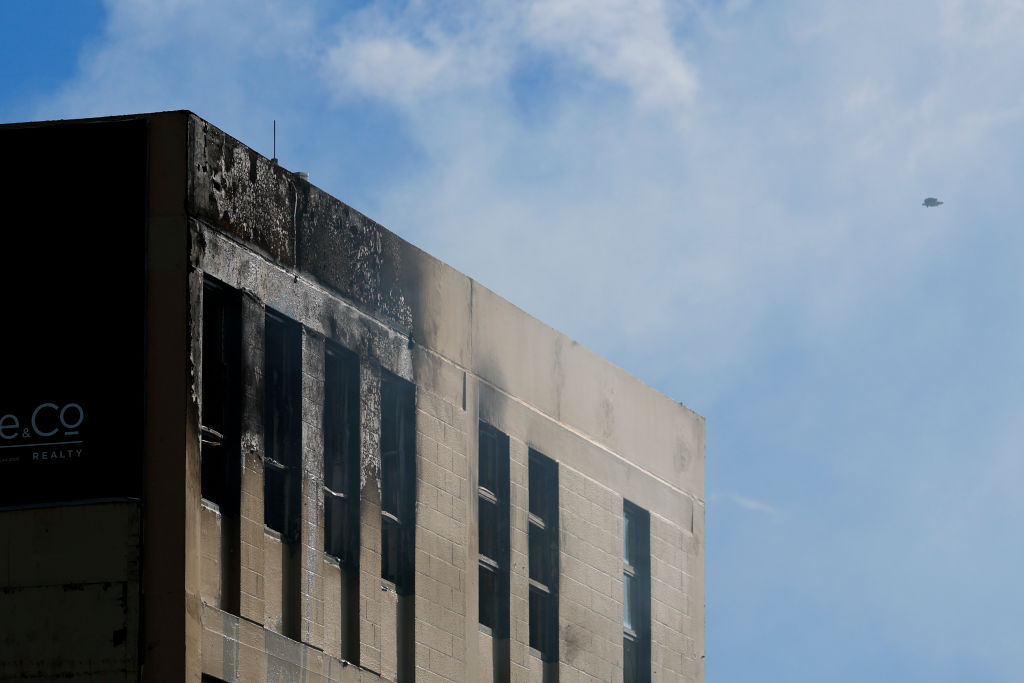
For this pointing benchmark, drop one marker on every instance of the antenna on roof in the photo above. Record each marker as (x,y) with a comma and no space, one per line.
(274,160)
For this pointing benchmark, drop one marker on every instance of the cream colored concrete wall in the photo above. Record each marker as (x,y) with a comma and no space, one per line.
(238,650)
(213,557)
(590,517)
(448,643)
(526,665)
(274,574)
(442,562)
(311,579)
(332,600)
(677,604)
(372,622)
(472,356)
(69,593)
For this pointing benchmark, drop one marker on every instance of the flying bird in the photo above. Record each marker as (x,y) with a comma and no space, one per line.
(930,202)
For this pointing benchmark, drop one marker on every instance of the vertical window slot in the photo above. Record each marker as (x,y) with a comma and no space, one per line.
(341,484)
(636,594)
(543,555)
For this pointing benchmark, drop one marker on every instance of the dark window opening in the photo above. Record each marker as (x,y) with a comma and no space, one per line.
(630,659)
(220,428)
(490,528)
(398,476)
(493,526)
(490,590)
(221,395)
(341,484)
(341,454)
(398,510)
(282,467)
(636,597)
(543,620)
(543,560)
(390,534)
(341,521)
(282,406)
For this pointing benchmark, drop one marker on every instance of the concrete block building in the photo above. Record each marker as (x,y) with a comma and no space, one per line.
(248,434)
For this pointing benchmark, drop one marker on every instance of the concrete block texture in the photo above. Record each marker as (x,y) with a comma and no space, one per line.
(212,555)
(447,314)
(217,208)
(311,578)
(442,495)
(69,593)
(593,481)
(590,592)
(677,604)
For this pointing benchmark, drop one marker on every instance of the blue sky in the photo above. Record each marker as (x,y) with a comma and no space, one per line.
(722,197)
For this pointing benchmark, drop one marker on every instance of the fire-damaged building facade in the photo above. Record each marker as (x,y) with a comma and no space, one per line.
(248,434)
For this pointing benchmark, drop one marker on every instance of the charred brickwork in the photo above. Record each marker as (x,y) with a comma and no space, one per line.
(237,190)
(299,226)
(270,543)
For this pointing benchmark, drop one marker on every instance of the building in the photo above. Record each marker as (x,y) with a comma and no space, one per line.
(247,434)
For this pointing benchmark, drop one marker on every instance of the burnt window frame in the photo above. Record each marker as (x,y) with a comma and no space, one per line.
(398,478)
(282,425)
(636,593)
(341,431)
(493,529)
(543,555)
(341,483)
(221,393)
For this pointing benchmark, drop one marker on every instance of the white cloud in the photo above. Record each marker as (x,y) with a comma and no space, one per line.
(626,41)
(217,58)
(392,68)
(748,503)
(410,55)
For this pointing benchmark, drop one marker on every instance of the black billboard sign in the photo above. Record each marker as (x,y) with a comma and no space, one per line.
(73,326)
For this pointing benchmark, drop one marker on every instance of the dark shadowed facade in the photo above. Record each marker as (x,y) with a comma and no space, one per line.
(248,434)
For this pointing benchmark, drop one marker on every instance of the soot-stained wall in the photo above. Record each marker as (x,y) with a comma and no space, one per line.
(221,210)
(298,225)
(472,356)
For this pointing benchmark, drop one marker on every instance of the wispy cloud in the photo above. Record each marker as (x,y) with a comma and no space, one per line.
(393,68)
(625,41)
(407,55)
(747,503)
